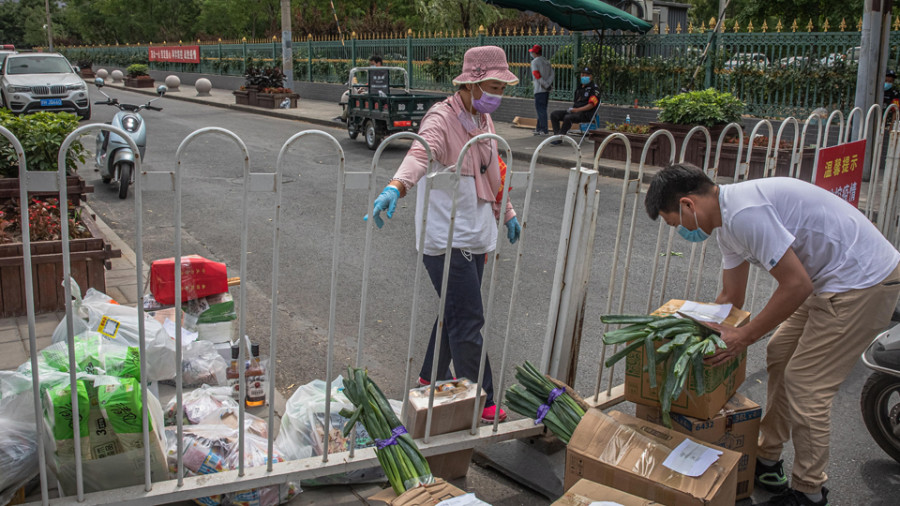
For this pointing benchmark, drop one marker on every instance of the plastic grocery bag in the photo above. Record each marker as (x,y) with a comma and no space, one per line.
(201,364)
(214,448)
(99,313)
(18,434)
(214,406)
(303,429)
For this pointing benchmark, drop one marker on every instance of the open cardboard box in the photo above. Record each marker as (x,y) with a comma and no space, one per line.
(720,382)
(735,427)
(586,493)
(627,453)
(452,412)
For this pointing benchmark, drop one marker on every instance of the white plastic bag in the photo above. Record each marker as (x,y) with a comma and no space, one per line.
(201,364)
(212,449)
(18,434)
(303,429)
(97,312)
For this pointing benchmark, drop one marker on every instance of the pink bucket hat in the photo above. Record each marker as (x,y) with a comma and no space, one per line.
(483,63)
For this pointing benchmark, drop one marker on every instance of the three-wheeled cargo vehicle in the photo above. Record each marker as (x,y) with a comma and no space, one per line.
(384,106)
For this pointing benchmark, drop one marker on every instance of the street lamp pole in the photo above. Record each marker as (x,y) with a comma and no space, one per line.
(49,26)
(287,54)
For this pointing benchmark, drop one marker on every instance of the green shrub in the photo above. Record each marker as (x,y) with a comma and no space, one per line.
(707,107)
(41,135)
(137,69)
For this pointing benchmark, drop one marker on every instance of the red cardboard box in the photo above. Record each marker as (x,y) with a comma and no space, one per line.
(200,277)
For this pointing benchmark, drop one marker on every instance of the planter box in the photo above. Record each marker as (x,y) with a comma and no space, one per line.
(76,189)
(88,259)
(272,100)
(615,150)
(247,96)
(139,82)
(758,162)
(87,73)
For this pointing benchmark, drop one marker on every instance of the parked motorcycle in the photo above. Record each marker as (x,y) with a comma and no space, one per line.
(115,159)
(880,401)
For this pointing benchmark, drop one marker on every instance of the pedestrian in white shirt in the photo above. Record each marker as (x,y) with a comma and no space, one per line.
(542,72)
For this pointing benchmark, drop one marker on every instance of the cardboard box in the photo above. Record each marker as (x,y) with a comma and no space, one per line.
(736,427)
(585,493)
(720,382)
(627,453)
(427,495)
(452,412)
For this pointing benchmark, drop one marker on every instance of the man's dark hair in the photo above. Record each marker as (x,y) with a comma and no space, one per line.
(672,183)
(375,59)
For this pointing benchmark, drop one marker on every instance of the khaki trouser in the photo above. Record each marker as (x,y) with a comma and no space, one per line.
(808,358)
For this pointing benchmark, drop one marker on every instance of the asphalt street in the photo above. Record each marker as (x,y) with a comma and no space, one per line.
(860,472)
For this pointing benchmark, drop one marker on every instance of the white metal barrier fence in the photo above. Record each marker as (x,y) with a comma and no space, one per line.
(569,292)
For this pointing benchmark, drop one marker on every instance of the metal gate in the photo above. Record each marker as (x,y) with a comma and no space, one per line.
(570,311)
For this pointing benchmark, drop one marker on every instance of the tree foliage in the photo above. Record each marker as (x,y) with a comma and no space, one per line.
(744,11)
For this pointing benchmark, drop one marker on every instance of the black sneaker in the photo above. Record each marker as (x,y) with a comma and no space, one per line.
(791,497)
(555,143)
(772,477)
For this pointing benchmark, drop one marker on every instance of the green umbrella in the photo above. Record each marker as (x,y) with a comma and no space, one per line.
(580,15)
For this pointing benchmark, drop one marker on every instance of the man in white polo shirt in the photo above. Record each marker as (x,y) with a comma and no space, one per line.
(838,284)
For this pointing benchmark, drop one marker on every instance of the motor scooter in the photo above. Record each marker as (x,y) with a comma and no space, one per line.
(880,400)
(114,157)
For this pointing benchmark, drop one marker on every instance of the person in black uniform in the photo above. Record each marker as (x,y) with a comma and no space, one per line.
(891,90)
(587,98)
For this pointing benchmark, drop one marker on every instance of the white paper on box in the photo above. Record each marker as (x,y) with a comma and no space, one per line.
(605,503)
(186,335)
(691,459)
(463,500)
(706,312)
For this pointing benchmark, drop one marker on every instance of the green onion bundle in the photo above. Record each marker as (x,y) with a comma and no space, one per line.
(397,453)
(538,398)
(688,344)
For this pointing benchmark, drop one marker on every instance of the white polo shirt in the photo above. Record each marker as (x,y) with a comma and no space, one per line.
(840,249)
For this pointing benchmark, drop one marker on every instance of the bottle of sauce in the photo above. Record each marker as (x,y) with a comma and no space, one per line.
(256,380)
(233,374)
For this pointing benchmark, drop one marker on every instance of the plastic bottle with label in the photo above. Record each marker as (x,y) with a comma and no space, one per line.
(233,374)
(627,119)
(256,380)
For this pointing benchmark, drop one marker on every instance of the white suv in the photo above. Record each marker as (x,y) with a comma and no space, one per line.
(42,82)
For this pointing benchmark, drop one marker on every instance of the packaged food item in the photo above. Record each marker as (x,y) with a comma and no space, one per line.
(60,417)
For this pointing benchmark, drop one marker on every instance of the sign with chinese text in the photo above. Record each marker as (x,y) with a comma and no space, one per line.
(177,54)
(840,170)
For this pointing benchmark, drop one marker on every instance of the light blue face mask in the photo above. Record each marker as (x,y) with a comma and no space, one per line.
(696,235)
(888,86)
(585,80)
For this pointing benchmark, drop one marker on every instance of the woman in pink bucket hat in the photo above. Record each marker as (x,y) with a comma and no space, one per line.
(447,127)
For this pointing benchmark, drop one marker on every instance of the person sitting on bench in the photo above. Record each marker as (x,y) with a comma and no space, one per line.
(586,101)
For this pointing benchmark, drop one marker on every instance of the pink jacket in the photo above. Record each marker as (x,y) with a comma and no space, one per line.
(442,129)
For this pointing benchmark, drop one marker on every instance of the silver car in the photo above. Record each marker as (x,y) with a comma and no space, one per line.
(42,82)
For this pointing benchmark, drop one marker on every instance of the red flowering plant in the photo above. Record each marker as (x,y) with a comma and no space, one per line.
(44,221)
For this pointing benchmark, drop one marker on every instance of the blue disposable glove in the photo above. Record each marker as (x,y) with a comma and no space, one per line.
(513,230)
(387,201)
